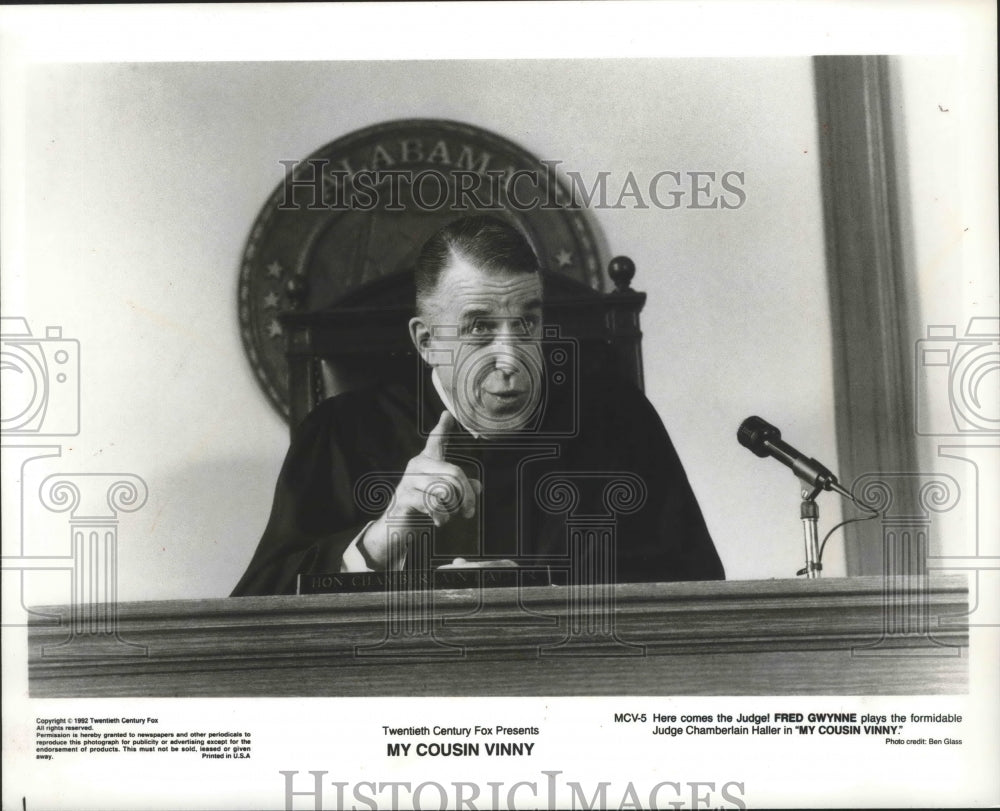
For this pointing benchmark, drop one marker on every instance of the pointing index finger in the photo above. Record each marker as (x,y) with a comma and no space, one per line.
(437,440)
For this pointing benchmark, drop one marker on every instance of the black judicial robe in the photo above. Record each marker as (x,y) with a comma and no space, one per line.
(362,439)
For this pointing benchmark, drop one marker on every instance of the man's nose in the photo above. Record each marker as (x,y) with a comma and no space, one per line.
(515,357)
(505,362)
(503,343)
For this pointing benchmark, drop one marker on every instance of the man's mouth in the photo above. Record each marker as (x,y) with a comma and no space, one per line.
(504,401)
(511,394)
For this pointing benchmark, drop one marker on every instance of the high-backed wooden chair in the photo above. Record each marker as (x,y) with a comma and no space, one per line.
(364,336)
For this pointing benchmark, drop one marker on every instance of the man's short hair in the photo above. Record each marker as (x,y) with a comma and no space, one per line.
(487,242)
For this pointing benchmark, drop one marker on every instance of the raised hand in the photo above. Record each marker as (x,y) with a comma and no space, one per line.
(430,487)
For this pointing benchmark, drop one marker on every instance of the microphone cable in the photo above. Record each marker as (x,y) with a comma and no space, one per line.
(819,555)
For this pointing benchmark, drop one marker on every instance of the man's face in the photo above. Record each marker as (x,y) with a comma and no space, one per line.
(482,337)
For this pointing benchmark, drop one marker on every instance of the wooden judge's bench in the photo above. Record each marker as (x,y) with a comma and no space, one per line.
(851,636)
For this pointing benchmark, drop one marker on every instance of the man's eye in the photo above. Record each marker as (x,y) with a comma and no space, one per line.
(480,329)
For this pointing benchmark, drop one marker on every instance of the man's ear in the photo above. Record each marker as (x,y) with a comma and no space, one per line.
(420,334)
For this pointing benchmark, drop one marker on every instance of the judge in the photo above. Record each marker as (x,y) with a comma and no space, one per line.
(489,446)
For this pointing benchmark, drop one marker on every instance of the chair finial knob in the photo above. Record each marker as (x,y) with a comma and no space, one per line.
(621,269)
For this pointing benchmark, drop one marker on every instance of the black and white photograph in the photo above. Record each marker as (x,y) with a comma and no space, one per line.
(484,405)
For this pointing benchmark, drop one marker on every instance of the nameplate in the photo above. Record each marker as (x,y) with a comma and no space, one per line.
(333,582)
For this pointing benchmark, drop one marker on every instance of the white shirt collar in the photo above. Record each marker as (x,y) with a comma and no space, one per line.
(439,388)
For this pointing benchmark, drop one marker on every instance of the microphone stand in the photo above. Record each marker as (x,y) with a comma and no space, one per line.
(809,512)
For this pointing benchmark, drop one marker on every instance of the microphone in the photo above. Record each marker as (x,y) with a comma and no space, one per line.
(765,440)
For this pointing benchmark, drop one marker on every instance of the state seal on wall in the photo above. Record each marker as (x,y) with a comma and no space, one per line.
(361,207)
